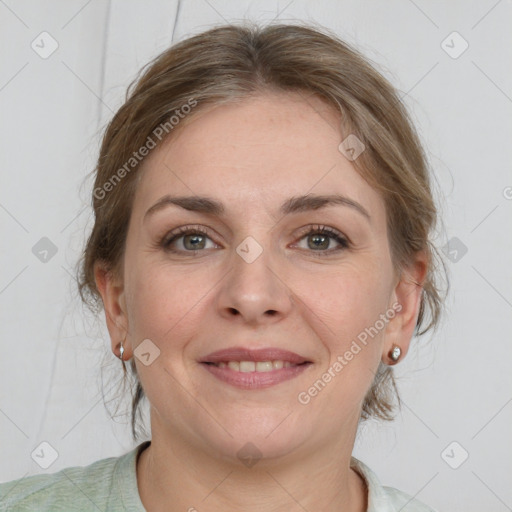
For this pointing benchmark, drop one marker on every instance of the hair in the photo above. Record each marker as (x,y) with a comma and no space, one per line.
(230,63)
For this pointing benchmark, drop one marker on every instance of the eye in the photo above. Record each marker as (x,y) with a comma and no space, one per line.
(187,239)
(321,238)
(193,239)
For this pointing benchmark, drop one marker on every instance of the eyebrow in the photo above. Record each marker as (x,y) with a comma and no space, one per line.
(207,205)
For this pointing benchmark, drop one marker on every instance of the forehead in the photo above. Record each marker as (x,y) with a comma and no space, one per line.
(263,149)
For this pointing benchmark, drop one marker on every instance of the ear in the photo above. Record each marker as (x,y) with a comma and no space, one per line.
(111,289)
(407,293)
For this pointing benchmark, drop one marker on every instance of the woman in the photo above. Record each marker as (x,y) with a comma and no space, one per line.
(262,252)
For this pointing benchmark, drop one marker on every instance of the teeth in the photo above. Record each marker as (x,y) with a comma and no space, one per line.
(252,366)
(247,366)
(264,366)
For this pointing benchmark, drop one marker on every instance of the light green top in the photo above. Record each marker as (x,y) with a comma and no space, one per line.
(110,485)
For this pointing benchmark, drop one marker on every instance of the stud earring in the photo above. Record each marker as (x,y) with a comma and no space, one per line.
(121,351)
(395,353)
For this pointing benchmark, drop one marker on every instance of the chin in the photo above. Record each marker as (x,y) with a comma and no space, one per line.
(264,442)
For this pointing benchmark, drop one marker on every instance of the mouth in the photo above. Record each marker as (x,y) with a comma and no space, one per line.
(254,369)
(255,366)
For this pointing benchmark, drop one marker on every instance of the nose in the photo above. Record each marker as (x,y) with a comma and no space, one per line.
(255,291)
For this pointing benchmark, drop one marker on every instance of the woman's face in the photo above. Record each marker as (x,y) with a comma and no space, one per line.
(258,273)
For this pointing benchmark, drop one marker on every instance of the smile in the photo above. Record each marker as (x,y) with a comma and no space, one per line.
(250,368)
(254,366)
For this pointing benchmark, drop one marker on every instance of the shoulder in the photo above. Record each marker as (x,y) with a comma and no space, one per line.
(386,499)
(66,488)
(402,501)
(91,487)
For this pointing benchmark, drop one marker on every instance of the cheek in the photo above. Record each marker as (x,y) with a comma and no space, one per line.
(344,307)
(162,301)
(346,300)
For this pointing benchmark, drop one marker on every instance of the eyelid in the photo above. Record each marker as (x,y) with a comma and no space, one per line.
(322,228)
(343,241)
(185,230)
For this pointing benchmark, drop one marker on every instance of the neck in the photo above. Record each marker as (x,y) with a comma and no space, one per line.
(173,476)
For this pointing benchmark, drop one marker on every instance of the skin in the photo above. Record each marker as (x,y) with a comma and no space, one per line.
(252,156)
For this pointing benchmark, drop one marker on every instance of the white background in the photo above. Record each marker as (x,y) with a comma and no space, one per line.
(55,359)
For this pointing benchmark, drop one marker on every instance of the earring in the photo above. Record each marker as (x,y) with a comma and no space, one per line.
(395,353)
(121,351)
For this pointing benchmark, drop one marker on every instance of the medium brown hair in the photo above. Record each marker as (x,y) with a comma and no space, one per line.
(229,63)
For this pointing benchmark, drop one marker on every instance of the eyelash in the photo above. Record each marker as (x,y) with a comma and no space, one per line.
(199,230)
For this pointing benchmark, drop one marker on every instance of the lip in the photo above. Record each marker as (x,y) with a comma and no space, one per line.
(262,354)
(254,380)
